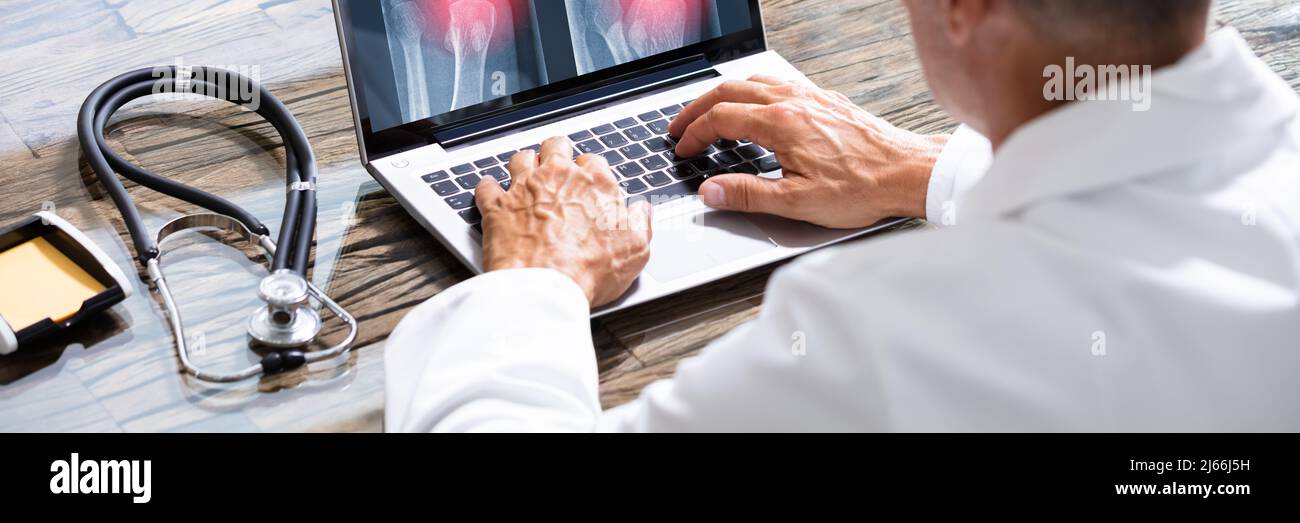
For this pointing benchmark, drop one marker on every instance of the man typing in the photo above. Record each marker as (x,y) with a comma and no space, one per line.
(1098,268)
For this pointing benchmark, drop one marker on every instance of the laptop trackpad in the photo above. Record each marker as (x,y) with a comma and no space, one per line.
(686,245)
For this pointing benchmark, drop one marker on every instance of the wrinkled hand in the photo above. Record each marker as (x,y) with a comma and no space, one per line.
(843,167)
(568,217)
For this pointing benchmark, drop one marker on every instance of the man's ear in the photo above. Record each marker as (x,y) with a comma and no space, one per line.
(961,18)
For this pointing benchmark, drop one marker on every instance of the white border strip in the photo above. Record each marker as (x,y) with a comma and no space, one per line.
(8,340)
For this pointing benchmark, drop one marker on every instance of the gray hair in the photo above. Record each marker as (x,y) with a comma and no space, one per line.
(1146,25)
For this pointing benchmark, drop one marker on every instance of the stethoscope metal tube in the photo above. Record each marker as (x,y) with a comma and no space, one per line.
(273,363)
(288,321)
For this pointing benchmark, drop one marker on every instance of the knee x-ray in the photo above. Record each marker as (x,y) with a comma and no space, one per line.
(606,33)
(458,53)
(453,54)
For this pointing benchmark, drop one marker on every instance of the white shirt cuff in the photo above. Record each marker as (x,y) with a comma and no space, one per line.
(961,165)
(505,351)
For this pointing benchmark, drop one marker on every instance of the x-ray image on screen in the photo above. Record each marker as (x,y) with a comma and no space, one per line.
(451,54)
(434,60)
(606,33)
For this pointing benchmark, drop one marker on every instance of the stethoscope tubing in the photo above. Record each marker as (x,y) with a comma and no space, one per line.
(299,219)
(297,227)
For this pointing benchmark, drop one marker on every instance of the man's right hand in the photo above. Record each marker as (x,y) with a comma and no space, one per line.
(843,167)
(567,216)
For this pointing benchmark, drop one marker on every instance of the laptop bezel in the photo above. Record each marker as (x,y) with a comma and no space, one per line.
(378,144)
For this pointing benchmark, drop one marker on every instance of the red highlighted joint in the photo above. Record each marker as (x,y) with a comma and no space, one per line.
(472,25)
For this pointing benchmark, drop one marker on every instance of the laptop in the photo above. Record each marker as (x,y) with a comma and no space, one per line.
(444,92)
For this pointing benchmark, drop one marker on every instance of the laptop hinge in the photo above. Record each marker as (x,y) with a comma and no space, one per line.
(671,74)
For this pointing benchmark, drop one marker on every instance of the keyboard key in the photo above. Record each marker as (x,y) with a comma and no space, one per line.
(461,201)
(505,157)
(462,169)
(705,166)
(537,148)
(633,186)
(670,193)
(471,216)
(630,170)
(613,141)
(468,182)
(655,163)
(659,127)
(613,158)
(625,123)
(633,152)
(768,164)
(580,136)
(658,179)
(658,144)
(496,172)
(486,162)
(445,188)
(505,186)
(649,117)
(751,152)
(671,110)
(727,145)
(746,168)
(680,171)
(590,147)
(728,158)
(435,177)
(603,129)
(638,134)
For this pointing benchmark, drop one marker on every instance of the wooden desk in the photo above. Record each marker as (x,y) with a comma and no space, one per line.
(120,372)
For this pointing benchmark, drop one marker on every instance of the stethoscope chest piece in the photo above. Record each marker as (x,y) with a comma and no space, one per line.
(287,320)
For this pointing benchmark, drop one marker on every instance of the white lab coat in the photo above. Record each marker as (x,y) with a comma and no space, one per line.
(1112,271)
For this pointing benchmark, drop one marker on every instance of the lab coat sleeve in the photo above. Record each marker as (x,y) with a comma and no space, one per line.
(788,370)
(962,163)
(506,351)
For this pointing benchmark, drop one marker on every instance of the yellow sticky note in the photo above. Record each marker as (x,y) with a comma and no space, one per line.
(37,282)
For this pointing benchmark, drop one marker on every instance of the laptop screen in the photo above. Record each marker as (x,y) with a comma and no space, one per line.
(441,61)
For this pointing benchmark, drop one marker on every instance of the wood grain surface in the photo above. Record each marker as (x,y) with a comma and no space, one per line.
(119,372)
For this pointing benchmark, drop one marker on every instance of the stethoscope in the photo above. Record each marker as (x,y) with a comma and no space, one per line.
(287,321)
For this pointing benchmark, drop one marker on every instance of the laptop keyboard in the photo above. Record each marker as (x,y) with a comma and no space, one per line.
(640,155)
